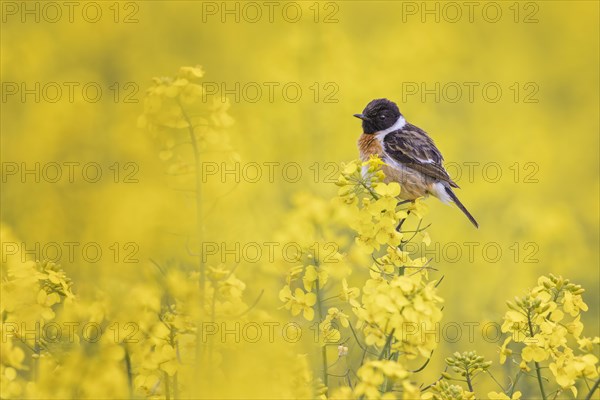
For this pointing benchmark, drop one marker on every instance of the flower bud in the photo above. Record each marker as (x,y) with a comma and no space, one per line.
(547,285)
(342,181)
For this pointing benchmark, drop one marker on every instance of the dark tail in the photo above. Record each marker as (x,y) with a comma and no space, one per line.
(460,205)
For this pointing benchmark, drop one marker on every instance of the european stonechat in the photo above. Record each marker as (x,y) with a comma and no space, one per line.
(410,156)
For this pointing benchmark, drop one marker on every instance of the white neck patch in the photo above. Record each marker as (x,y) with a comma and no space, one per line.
(399,124)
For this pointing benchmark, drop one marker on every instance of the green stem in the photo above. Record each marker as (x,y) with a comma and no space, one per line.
(201,267)
(167,386)
(514,384)
(198,190)
(469,383)
(538,370)
(498,383)
(173,342)
(383,353)
(371,192)
(388,342)
(593,389)
(323,348)
(129,372)
(210,342)
(401,222)
(389,383)
(356,338)
(539,379)
(36,362)
(422,367)
(175,390)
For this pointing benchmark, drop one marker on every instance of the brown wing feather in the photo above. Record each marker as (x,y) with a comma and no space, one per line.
(412,147)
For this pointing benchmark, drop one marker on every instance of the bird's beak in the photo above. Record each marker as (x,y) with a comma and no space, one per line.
(361,116)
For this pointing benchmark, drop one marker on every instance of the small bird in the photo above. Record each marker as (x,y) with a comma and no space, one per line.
(410,156)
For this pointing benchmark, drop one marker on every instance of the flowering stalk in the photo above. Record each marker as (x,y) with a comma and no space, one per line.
(398,291)
(167,116)
(199,229)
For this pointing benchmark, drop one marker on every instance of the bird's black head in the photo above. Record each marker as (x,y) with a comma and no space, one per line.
(378,115)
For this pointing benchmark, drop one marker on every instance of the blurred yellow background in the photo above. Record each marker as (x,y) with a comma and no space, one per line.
(526,157)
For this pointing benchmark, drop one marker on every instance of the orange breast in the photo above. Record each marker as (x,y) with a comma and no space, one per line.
(368,145)
(414,184)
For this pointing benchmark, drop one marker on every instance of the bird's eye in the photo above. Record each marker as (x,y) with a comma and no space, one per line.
(382,116)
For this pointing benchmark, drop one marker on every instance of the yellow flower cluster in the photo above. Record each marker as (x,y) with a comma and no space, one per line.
(467,364)
(375,217)
(328,327)
(314,227)
(174,336)
(176,113)
(33,290)
(166,99)
(545,323)
(405,309)
(300,301)
(502,396)
(31,294)
(374,374)
(442,390)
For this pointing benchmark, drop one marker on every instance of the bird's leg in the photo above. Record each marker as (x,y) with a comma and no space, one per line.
(407,213)
(402,222)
